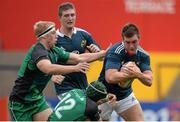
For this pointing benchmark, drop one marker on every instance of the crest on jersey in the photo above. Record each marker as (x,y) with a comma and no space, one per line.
(137,63)
(83,43)
(63,48)
(123,62)
(75,51)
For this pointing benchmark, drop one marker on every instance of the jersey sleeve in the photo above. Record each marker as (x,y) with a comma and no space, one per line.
(145,64)
(92,111)
(39,54)
(63,56)
(113,61)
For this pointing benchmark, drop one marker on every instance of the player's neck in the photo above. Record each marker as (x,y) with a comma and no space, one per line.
(67,31)
(45,44)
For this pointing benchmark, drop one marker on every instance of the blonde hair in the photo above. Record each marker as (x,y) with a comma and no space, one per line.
(41,28)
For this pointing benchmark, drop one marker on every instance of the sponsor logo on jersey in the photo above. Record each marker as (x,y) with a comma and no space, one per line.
(63,48)
(83,43)
(75,51)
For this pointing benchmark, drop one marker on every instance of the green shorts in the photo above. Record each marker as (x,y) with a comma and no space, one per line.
(25,112)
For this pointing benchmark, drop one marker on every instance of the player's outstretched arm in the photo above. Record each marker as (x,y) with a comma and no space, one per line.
(93,48)
(86,57)
(47,67)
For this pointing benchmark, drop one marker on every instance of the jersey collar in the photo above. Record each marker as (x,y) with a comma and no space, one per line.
(62,34)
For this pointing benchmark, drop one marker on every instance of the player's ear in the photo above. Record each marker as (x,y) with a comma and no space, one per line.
(123,37)
(59,17)
(138,36)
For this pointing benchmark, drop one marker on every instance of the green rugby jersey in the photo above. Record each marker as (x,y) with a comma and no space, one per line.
(71,107)
(75,106)
(31,81)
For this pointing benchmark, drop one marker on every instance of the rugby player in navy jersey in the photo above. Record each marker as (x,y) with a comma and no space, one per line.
(124,62)
(76,40)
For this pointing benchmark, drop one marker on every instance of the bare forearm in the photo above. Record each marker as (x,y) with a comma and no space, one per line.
(60,69)
(134,72)
(116,77)
(47,67)
(145,79)
(90,57)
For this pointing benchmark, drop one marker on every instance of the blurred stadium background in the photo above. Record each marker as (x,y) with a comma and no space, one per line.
(159,23)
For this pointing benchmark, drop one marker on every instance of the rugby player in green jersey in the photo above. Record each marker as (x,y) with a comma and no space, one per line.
(80,105)
(26,101)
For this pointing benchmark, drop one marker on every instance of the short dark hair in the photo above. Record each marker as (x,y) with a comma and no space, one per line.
(65,6)
(130,30)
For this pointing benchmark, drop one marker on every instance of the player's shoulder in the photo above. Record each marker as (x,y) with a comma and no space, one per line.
(77,29)
(37,51)
(59,50)
(80,30)
(142,52)
(56,48)
(38,47)
(117,48)
(59,34)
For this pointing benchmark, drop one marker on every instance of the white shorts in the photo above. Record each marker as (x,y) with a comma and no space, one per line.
(121,106)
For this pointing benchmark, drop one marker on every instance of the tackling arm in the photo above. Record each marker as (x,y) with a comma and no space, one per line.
(47,67)
(85,57)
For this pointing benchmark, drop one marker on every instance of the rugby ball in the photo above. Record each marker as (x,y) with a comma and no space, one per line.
(128,82)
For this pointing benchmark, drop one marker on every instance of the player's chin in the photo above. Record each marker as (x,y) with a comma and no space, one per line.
(52,46)
(70,25)
(130,53)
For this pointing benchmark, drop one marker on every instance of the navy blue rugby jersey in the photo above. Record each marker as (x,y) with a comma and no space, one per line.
(76,44)
(114,59)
